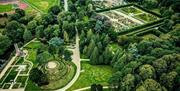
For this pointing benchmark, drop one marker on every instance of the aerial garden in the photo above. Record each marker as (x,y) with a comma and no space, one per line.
(122,48)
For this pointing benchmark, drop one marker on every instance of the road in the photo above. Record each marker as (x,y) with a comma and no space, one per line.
(76,61)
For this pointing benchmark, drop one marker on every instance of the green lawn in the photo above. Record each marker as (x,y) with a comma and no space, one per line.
(30,10)
(98,74)
(32,51)
(146,17)
(6,8)
(42,5)
(133,10)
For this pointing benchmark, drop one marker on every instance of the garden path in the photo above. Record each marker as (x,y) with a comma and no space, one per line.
(76,61)
(66,5)
(85,88)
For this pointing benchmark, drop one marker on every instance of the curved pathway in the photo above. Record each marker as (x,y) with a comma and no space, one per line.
(75,57)
(76,61)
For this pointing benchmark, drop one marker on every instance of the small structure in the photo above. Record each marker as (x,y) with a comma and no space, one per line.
(52,65)
(19,52)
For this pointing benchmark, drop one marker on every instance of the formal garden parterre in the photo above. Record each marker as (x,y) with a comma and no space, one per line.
(127,17)
(17,75)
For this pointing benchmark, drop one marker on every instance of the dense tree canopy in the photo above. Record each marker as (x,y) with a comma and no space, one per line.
(5,43)
(14,31)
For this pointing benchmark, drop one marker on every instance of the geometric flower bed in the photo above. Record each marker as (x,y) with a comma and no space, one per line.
(17,75)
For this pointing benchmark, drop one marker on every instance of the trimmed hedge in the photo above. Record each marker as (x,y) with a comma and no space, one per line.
(137,6)
(116,7)
(144,29)
(144,32)
(140,27)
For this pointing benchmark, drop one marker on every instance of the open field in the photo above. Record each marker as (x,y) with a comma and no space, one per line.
(91,74)
(41,5)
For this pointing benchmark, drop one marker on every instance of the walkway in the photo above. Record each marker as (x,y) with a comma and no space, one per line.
(66,5)
(75,57)
(76,61)
(7,66)
(86,88)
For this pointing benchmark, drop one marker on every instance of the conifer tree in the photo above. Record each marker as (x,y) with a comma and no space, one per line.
(94,56)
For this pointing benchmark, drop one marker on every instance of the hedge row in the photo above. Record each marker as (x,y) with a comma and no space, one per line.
(150,31)
(116,7)
(144,29)
(144,32)
(163,30)
(141,26)
(121,6)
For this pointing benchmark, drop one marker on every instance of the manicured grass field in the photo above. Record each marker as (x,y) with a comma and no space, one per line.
(32,51)
(42,5)
(146,17)
(5,8)
(132,10)
(30,10)
(98,74)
